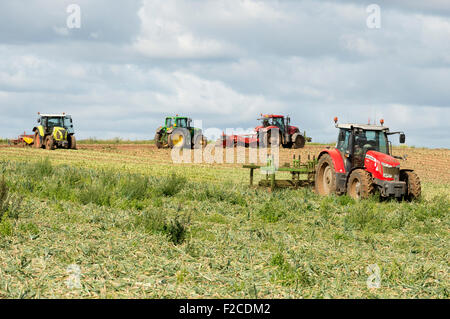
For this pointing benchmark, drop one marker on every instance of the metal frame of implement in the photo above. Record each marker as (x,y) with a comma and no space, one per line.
(296,169)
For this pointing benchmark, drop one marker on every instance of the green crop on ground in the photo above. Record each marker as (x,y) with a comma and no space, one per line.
(174,232)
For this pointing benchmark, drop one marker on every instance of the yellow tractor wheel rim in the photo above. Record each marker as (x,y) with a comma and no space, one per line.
(178,140)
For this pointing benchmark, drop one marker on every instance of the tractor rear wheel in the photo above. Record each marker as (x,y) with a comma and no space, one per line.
(413,188)
(299,142)
(49,143)
(37,140)
(72,142)
(158,140)
(179,138)
(325,180)
(360,185)
(274,137)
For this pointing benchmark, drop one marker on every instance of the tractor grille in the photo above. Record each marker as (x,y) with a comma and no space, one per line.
(391,172)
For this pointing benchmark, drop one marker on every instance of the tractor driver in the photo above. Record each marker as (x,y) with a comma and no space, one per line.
(265,123)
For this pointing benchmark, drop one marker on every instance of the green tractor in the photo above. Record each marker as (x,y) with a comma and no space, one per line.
(178,133)
(54,131)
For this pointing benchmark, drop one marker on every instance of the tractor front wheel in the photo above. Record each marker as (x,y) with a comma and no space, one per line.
(299,142)
(325,180)
(413,188)
(37,140)
(49,143)
(360,185)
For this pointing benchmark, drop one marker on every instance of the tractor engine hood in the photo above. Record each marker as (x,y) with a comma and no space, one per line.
(382,166)
(383,158)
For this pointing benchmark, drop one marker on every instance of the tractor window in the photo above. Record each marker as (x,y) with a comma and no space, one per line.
(68,124)
(55,121)
(182,122)
(371,140)
(343,140)
(169,122)
(278,121)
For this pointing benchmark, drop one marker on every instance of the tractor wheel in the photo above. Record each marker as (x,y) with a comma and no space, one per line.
(274,138)
(413,188)
(299,142)
(49,143)
(158,140)
(287,145)
(37,140)
(200,141)
(179,138)
(360,185)
(325,180)
(72,142)
(263,139)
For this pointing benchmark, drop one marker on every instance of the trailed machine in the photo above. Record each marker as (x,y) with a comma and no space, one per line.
(274,130)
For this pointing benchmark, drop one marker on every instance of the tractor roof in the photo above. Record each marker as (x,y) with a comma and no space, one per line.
(54,115)
(271,115)
(366,127)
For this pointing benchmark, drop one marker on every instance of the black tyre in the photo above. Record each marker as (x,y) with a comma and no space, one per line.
(180,138)
(158,140)
(413,187)
(325,180)
(37,140)
(274,137)
(49,145)
(360,184)
(299,142)
(72,142)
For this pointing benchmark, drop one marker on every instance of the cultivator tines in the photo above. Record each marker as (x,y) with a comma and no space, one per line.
(302,174)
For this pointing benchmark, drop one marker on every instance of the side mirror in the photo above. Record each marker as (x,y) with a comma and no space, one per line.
(402,138)
(39,120)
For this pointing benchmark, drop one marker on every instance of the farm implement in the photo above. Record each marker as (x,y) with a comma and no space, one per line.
(274,130)
(302,174)
(22,140)
(360,165)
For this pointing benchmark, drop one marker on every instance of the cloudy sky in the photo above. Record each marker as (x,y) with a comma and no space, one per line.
(226,61)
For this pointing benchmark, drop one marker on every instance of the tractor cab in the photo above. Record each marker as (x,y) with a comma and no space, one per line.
(271,120)
(355,141)
(176,121)
(50,121)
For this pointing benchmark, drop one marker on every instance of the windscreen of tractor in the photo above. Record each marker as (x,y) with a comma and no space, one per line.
(371,140)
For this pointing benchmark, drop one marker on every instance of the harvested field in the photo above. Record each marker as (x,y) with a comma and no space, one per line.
(133,224)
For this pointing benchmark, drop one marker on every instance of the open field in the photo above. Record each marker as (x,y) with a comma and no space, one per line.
(137,225)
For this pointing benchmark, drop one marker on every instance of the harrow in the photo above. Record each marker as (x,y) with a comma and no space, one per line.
(302,174)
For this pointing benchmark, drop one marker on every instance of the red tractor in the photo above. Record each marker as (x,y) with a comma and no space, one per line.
(274,129)
(362,163)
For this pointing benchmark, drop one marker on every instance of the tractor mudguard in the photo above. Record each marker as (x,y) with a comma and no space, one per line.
(336,157)
(40,129)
